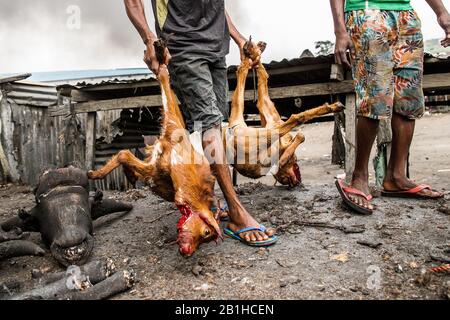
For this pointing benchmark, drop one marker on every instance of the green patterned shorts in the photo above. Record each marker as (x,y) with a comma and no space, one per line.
(388,70)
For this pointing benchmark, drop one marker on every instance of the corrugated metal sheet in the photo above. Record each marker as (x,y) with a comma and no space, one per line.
(31,94)
(88,76)
(30,140)
(126,131)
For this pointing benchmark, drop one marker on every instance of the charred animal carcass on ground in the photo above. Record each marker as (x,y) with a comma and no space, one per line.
(64,213)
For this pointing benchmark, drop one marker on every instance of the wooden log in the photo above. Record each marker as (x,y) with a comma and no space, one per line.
(431,83)
(350,135)
(337,72)
(119,282)
(155,101)
(384,139)
(97,271)
(91,130)
(4,164)
(75,280)
(338,147)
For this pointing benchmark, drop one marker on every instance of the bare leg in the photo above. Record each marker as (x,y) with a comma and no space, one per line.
(402,135)
(239,216)
(366,131)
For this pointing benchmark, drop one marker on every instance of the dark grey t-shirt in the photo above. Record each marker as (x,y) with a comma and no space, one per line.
(197,27)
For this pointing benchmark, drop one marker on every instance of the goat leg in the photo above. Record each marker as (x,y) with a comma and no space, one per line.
(238,100)
(266,107)
(8,236)
(290,150)
(298,119)
(25,221)
(19,248)
(126,159)
(119,282)
(108,206)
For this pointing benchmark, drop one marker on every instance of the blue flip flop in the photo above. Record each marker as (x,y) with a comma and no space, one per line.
(264,243)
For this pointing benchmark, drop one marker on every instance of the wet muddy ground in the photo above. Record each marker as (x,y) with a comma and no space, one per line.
(324,251)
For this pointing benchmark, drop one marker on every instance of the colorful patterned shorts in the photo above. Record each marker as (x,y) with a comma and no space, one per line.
(388,69)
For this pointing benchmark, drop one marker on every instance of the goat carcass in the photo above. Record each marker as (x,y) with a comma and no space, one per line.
(262,149)
(63,214)
(174,171)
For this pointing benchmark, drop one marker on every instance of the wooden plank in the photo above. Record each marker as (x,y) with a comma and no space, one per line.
(338,146)
(107,105)
(91,130)
(437,81)
(4,165)
(384,139)
(350,135)
(155,101)
(337,72)
(431,83)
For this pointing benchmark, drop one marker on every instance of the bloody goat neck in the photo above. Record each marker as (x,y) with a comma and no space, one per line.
(186,213)
(298,175)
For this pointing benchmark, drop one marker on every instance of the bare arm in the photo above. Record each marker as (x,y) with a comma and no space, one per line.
(235,34)
(443,19)
(343,40)
(136,13)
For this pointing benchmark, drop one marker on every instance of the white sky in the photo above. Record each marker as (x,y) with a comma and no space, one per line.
(42,42)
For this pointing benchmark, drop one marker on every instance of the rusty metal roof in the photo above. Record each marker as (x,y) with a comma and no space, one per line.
(30,93)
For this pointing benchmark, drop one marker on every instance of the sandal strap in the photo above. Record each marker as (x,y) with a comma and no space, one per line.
(419,188)
(357,192)
(261,228)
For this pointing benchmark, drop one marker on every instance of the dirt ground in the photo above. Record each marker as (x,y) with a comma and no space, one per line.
(324,251)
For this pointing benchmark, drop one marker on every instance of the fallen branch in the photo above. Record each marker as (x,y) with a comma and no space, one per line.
(119,282)
(370,244)
(19,248)
(439,258)
(326,225)
(75,280)
(162,216)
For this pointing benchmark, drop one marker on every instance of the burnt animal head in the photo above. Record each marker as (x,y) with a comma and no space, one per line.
(64,214)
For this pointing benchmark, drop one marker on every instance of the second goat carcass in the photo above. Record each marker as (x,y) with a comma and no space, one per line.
(174,171)
(256,152)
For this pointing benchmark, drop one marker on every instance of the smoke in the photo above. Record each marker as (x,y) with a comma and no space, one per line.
(36,36)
